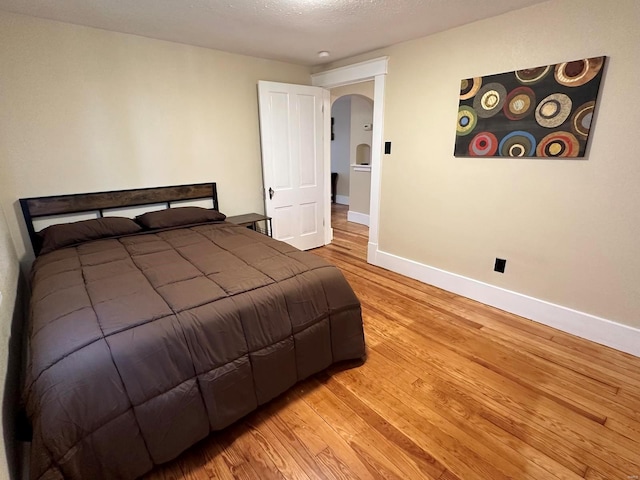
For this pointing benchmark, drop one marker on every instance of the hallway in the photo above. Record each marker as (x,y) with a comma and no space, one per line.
(347,235)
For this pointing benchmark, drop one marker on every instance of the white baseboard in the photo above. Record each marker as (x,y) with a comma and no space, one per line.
(599,330)
(357,217)
(372,254)
(342,199)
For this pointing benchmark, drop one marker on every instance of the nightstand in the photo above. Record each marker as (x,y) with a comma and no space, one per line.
(251,220)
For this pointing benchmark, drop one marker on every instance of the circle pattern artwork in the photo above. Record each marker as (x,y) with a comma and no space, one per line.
(531,76)
(469,87)
(578,72)
(467,120)
(520,103)
(517,144)
(489,100)
(546,111)
(553,110)
(558,144)
(484,144)
(581,120)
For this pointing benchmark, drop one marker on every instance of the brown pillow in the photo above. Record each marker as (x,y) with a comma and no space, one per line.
(65,234)
(174,217)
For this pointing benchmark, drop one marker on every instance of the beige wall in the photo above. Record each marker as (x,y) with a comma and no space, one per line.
(83,109)
(569,229)
(361,114)
(359,181)
(360,187)
(9,280)
(363,88)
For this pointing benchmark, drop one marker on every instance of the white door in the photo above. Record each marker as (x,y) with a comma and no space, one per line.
(293,162)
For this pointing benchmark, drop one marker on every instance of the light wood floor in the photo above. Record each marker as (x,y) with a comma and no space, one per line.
(452,389)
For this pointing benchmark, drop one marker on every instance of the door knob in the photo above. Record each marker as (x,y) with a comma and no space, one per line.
(271,192)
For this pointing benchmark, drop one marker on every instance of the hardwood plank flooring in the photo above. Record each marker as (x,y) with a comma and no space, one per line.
(451,390)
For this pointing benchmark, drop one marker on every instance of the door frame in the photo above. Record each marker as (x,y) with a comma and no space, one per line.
(376,70)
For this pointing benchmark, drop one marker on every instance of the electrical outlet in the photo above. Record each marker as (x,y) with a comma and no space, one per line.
(500,264)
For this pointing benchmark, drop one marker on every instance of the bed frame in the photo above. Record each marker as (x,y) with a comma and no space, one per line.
(99,202)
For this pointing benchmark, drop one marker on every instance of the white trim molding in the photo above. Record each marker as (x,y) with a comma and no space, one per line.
(375,70)
(342,199)
(599,330)
(358,72)
(372,252)
(376,157)
(357,217)
(326,152)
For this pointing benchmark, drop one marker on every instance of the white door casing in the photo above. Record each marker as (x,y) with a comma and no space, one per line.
(376,70)
(292,126)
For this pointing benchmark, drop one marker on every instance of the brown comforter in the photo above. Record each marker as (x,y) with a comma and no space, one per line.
(142,345)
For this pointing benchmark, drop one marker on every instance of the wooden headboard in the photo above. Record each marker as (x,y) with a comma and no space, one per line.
(99,202)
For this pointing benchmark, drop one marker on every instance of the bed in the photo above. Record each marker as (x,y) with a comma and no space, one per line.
(143,342)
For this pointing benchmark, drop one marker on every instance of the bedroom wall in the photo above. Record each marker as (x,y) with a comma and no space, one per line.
(10,316)
(83,109)
(569,229)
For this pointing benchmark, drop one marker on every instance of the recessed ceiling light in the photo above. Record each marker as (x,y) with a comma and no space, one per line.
(323,54)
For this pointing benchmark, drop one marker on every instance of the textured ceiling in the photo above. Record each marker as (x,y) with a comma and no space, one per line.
(289,30)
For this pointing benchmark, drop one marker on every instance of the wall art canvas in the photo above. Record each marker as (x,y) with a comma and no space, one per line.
(536,112)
